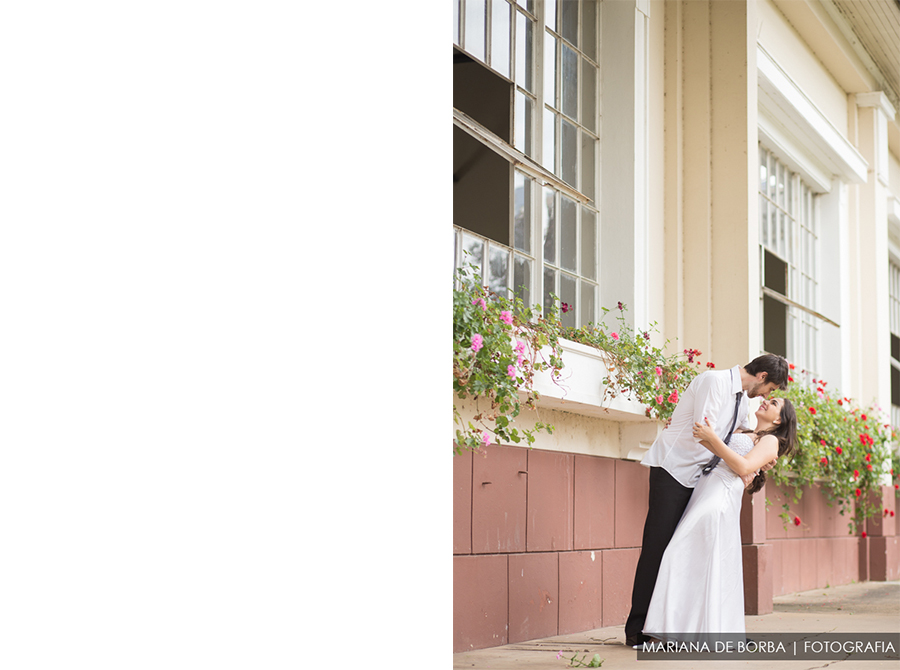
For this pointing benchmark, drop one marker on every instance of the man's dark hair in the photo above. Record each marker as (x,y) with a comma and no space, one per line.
(772,364)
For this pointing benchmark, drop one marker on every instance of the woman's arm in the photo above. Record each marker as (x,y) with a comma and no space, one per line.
(765,450)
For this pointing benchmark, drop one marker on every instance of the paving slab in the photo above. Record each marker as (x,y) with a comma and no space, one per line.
(867,607)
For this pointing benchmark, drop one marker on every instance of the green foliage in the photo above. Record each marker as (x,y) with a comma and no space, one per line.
(636,367)
(582,662)
(497,348)
(843,449)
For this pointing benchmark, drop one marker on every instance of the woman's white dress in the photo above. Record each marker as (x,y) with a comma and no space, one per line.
(700,587)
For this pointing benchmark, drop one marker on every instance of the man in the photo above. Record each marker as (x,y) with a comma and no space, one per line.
(676,461)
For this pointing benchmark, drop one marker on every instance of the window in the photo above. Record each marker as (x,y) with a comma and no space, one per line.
(526,148)
(788,265)
(894,287)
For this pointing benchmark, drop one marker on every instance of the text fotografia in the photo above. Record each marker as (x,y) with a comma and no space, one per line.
(773,647)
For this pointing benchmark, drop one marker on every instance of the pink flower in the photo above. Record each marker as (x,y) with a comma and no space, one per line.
(506,317)
(511,371)
(615,336)
(565,307)
(658,371)
(477,342)
(485,438)
(480,301)
(674,397)
(659,400)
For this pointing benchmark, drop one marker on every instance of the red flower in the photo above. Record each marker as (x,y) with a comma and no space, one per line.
(710,365)
(886,511)
(790,379)
(822,442)
(892,512)
(812,410)
(839,450)
(864,533)
(897,486)
(868,457)
(869,466)
(824,461)
(863,417)
(858,493)
(796,520)
(840,402)
(565,307)
(855,475)
(791,365)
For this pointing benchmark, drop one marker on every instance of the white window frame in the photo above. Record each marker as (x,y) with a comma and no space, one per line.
(532,164)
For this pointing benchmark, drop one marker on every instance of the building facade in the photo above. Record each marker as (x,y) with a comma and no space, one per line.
(728,169)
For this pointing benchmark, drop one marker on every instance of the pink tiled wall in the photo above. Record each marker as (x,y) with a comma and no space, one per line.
(546,543)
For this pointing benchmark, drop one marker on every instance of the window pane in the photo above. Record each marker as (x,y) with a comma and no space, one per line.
(498,276)
(763,170)
(522,213)
(549,288)
(524,106)
(550,70)
(588,95)
(456,22)
(550,14)
(588,154)
(773,180)
(548,159)
(548,222)
(475,25)
(781,189)
(522,279)
(568,248)
(588,302)
(500,37)
(763,220)
(569,28)
(568,293)
(473,253)
(781,235)
(569,83)
(527,4)
(589,29)
(568,153)
(588,243)
(523,51)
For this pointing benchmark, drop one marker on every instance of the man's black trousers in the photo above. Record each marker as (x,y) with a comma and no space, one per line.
(668,499)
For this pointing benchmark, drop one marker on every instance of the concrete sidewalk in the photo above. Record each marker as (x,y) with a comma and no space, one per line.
(852,608)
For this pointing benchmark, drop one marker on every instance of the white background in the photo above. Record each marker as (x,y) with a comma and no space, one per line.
(224,321)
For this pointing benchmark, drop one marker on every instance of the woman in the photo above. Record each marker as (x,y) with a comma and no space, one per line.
(700,587)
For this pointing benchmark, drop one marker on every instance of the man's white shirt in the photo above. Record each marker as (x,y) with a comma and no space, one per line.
(710,395)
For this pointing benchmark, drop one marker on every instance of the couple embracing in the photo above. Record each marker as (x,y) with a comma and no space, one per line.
(689,578)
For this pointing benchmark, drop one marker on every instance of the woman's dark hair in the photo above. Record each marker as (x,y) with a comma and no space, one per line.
(786,432)
(775,367)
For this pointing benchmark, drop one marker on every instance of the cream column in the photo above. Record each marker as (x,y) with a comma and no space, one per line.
(874,110)
(624,174)
(719,153)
